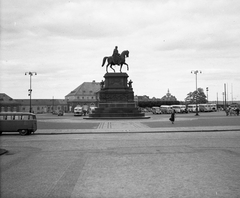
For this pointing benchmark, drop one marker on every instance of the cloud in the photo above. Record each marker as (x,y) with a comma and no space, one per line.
(65,41)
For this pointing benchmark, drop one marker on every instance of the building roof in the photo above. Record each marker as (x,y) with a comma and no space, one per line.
(86,88)
(144,97)
(5,99)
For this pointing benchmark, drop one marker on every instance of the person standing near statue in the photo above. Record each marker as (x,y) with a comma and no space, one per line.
(116,55)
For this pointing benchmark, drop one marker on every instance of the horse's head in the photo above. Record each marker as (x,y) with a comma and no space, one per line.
(125,53)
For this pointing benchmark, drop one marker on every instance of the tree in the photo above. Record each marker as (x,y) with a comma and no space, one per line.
(201,97)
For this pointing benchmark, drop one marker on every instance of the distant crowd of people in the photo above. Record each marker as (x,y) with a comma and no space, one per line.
(232,111)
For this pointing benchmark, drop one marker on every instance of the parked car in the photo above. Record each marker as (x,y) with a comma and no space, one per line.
(60,113)
(92,109)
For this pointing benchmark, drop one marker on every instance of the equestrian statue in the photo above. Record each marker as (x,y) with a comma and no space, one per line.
(116,59)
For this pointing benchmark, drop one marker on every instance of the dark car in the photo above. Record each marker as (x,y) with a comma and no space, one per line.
(60,113)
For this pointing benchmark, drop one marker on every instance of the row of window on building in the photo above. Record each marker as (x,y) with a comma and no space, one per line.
(81,98)
(35,109)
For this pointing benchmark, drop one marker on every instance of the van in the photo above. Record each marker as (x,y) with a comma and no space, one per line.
(22,122)
(78,111)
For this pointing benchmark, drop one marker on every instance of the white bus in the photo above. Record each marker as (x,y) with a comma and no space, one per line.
(166,109)
(205,108)
(191,107)
(156,110)
(179,108)
(213,107)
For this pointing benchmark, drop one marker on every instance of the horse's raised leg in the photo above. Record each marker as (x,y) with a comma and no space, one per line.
(107,68)
(112,68)
(121,68)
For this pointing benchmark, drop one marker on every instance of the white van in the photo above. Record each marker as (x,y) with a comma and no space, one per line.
(78,111)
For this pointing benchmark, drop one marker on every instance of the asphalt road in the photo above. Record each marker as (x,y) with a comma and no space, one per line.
(203,165)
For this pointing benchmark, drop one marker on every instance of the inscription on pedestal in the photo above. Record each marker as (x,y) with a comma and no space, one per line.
(116,82)
(124,97)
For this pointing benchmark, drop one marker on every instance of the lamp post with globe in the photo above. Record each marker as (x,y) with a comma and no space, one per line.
(30,90)
(196,97)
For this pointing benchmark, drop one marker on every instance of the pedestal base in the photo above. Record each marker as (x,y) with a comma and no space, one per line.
(116,99)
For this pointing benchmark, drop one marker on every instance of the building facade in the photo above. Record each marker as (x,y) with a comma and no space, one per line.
(43,105)
(7,104)
(84,94)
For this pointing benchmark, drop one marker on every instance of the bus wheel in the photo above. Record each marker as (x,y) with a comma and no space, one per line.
(23,132)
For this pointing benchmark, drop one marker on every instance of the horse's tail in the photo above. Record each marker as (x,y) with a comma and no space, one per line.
(104,60)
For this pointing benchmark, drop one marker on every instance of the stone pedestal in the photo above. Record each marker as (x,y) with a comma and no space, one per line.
(116,99)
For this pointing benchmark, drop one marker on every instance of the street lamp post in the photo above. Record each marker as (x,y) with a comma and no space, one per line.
(30,90)
(196,72)
(223,100)
(207,93)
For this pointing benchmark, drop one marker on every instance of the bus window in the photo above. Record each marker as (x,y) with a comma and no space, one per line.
(17,117)
(9,117)
(24,117)
(30,117)
(1,117)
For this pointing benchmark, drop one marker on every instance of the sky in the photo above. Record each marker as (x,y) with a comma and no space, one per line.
(65,41)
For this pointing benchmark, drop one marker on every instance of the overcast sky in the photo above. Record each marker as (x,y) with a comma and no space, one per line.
(64,41)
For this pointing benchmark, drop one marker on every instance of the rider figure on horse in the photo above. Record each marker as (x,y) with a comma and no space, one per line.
(116,56)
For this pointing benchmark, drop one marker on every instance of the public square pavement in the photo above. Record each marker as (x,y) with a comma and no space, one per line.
(72,157)
(209,121)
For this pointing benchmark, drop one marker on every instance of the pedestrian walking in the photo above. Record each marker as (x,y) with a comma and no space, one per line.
(227,110)
(172,118)
(237,110)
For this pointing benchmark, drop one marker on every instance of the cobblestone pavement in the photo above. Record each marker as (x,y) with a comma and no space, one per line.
(130,165)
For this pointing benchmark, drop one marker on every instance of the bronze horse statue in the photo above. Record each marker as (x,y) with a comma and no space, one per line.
(120,62)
